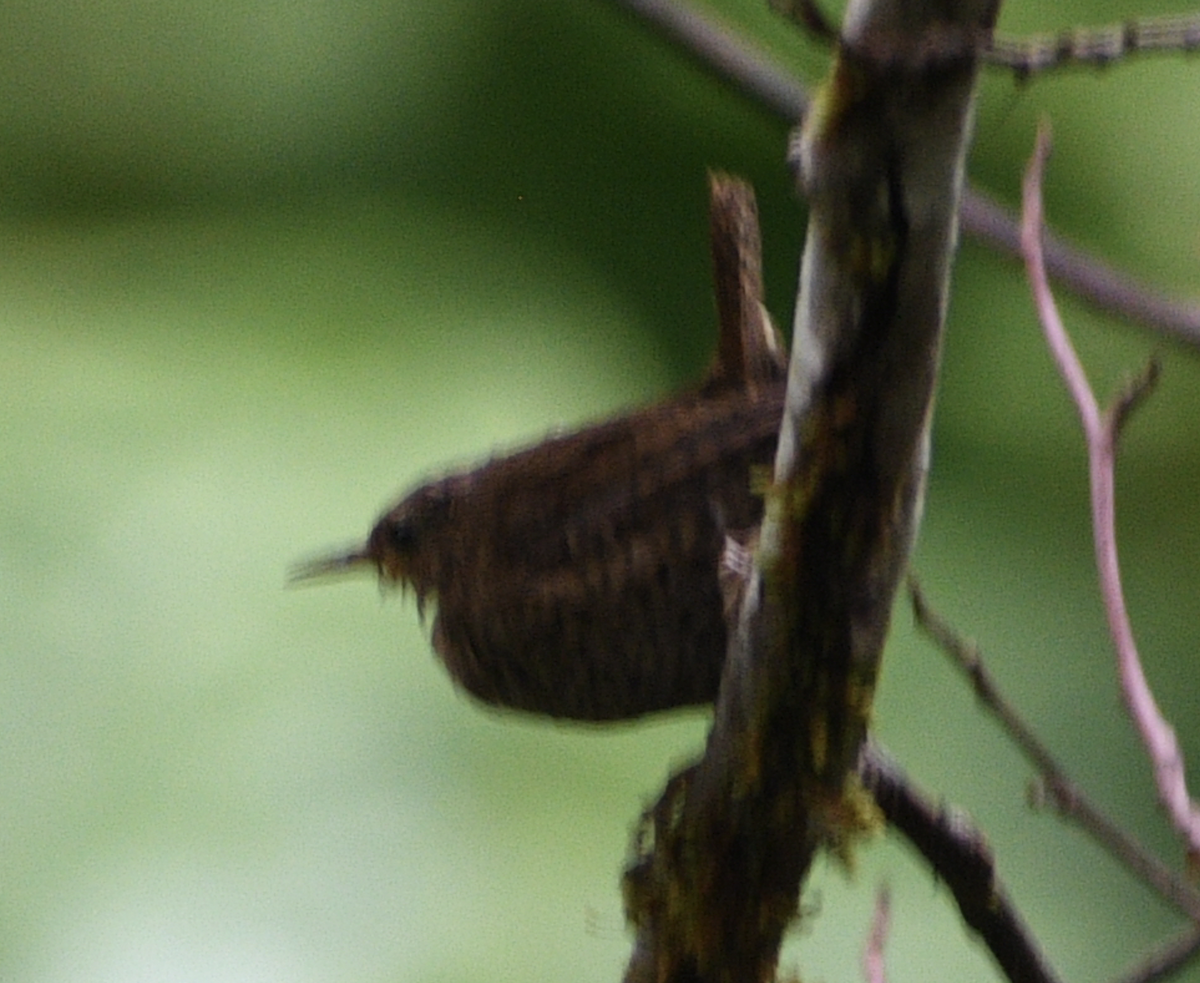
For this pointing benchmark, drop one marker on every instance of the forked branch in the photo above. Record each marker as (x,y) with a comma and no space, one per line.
(1101,430)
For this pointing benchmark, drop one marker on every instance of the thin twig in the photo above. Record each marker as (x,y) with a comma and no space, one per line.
(1096,46)
(874,965)
(719,48)
(722,50)
(959,854)
(1166,960)
(1102,286)
(1100,431)
(1067,798)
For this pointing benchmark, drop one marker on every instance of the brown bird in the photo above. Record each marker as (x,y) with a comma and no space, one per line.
(578,578)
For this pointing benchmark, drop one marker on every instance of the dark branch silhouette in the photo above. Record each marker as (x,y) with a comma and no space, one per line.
(959,854)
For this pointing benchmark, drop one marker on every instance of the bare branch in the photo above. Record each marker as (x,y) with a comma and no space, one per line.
(1100,431)
(1166,960)
(1096,46)
(874,965)
(720,858)
(959,854)
(1055,785)
(719,49)
(1099,284)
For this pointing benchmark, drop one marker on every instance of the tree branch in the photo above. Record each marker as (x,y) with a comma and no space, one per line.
(721,856)
(1097,46)
(959,854)
(1166,960)
(874,965)
(1101,431)
(719,49)
(1067,798)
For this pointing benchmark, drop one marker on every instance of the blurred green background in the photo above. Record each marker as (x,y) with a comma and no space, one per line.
(265,265)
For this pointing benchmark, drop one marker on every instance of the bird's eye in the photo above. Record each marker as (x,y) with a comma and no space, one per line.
(402,537)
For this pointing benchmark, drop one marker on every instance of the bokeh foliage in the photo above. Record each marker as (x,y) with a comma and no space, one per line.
(264,266)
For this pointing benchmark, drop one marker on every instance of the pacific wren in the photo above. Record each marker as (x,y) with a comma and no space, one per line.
(578,578)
